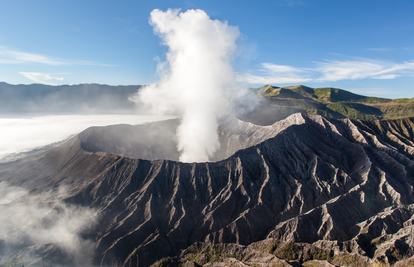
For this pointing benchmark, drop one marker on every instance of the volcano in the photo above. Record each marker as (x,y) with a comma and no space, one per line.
(339,186)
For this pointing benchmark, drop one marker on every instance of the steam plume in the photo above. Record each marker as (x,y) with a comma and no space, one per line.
(197,81)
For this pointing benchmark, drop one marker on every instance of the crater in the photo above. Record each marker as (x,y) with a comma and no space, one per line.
(156,140)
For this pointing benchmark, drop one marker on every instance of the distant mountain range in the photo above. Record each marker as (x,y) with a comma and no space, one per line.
(279,104)
(66,99)
(328,102)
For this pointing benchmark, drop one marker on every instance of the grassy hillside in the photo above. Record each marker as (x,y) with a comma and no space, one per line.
(334,102)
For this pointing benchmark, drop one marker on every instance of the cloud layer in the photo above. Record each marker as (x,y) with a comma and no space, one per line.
(24,134)
(29,220)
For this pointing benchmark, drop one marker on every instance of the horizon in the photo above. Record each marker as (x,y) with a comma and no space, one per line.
(285,87)
(362,47)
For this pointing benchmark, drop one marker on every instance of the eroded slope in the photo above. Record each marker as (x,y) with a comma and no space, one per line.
(310,179)
(317,179)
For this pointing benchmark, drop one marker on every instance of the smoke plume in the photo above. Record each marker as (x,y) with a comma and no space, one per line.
(197,81)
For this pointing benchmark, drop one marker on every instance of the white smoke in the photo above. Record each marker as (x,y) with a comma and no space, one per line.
(197,81)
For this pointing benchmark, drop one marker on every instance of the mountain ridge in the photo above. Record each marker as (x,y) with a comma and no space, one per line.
(280,102)
(315,175)
(329,102)
(66,99)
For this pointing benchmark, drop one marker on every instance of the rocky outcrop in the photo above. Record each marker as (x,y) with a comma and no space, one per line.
(336,184)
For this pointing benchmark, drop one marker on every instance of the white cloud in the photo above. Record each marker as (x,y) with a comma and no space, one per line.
(353,70)
(279,68)
(329,71)
(386,77)
(380,49)
(44,78)
(13,56)
(273,73)
(406,67)
(348,70)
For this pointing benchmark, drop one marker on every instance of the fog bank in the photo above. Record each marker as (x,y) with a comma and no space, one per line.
(28,223)
(25,133)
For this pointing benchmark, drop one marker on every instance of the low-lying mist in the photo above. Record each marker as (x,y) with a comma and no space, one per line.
(30,224)
(197,81)
(20,134)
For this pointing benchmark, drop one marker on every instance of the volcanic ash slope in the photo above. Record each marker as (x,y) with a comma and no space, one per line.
(303,179)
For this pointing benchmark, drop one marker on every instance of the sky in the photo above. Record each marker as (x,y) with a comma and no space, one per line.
(364,46)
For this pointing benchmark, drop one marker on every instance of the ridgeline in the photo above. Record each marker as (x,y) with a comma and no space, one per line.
(328,102)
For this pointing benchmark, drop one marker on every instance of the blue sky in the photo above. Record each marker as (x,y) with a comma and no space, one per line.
(365,46)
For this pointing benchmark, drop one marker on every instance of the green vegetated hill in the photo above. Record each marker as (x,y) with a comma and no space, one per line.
(334,103)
